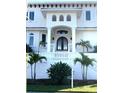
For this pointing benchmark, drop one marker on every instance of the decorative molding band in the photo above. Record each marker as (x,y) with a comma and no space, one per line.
(86,28)
(36,28)
(62,5)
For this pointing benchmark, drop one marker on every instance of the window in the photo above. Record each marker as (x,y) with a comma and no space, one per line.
(31,16)
(62,44)
(43,37)
(26,15)
(68,18)
(31,39)
(61,18)
(88,15)
(62,32)
(53,18)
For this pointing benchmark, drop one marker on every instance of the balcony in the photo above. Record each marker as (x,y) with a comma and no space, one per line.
(52,49)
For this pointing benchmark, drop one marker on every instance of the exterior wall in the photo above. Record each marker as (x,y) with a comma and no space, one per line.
(41,70)
(87,35)
(42,21)
(36,37)
(82,22)
(71,23)
(39,19)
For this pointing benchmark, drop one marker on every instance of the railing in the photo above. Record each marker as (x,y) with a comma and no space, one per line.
(64,56)
(53,47)
(39,49)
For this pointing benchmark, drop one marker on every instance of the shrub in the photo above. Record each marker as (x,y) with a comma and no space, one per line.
(28,49)
(59,72)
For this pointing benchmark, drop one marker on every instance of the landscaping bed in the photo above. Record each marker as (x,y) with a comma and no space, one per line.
(43,85)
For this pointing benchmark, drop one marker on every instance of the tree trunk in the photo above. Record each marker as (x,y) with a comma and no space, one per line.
(38,49)
(83,49)
(87,49)
(35,71)
(86,72)
(83,73)
(31,73)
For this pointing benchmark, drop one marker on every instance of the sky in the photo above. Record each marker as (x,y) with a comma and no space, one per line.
(36,1)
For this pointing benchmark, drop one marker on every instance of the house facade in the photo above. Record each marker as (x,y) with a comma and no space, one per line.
(59,26)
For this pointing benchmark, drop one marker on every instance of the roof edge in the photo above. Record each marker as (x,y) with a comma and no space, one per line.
(63,2)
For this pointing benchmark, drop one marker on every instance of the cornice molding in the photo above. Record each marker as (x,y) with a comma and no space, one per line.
(36,28)
(86,28)
(62,4)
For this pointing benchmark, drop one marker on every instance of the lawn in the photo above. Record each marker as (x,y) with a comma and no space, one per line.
(50,88)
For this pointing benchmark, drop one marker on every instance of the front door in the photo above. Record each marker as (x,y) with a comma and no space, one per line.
(62,44)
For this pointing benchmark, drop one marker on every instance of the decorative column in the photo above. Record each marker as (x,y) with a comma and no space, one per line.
(48,39)
(73,39)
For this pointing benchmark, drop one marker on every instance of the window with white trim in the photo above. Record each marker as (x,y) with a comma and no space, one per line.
(30,16)
(54,18)
(88,15)
(31,39)
(68,18)
(61,18)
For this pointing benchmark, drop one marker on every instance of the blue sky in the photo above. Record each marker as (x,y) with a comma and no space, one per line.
(36,1)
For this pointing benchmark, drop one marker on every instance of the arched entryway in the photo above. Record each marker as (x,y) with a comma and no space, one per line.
(62,44)
(61,39)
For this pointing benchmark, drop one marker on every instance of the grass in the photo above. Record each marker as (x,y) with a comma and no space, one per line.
(52,88)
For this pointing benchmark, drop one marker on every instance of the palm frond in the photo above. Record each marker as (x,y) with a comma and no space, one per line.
(42,57)
(78,60)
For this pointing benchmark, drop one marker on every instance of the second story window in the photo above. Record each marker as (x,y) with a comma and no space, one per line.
(61,18)
(31,16)
(88,15)
(54,18)
(68,18)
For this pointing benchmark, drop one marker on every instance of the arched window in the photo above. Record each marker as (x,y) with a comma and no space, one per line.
(68,18)
(62,44)
(61,18)
(31,39)
(54,18)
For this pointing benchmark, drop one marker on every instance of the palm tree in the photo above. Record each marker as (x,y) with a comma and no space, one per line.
(35,58)
(84,44)
(88,62)
(81,61)
(85,61)
(27,57)
(31,62)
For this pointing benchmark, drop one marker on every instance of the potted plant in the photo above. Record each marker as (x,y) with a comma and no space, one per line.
(43,43)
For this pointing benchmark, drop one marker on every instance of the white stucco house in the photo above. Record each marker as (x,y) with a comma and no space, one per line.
(61,25)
